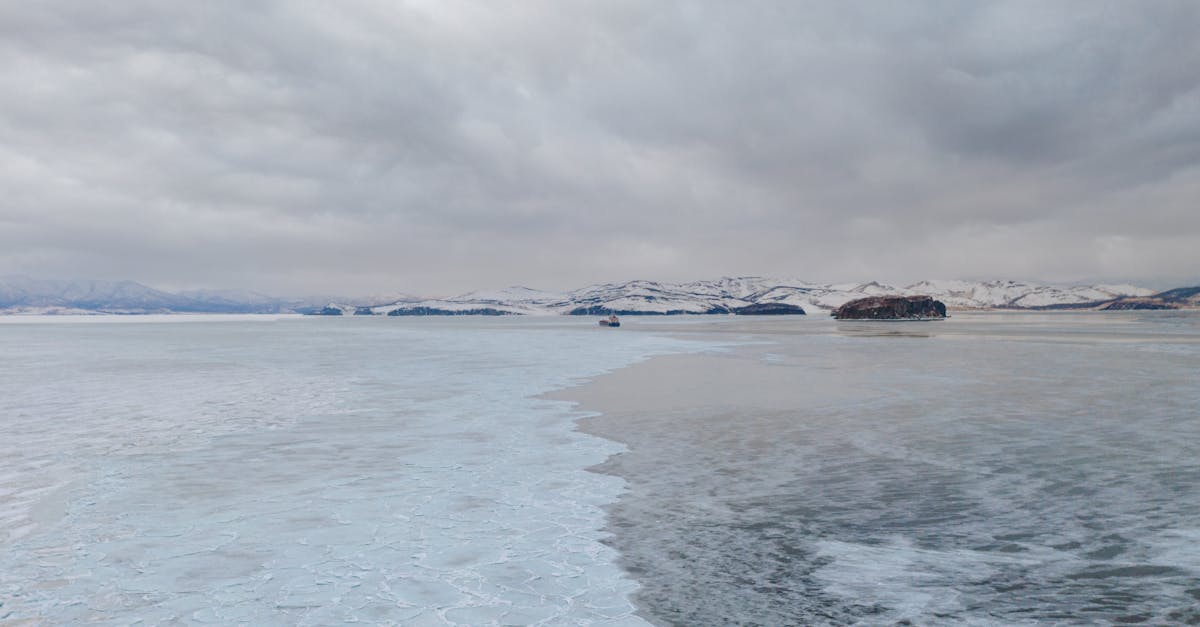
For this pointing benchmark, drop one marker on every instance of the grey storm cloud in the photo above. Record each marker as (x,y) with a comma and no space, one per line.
(438,146)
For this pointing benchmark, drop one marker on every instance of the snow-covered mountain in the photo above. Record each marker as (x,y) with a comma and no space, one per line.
(515,295)
(727,294)
(23,295)
(1018,295)
(20,294)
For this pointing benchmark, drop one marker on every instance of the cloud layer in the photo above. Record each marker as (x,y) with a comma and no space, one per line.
(439,146)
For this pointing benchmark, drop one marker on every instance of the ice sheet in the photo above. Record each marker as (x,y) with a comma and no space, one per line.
(307,472)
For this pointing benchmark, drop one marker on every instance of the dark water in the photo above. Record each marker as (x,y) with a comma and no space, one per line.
(985,470)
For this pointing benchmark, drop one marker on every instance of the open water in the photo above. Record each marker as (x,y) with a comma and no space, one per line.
(989,469)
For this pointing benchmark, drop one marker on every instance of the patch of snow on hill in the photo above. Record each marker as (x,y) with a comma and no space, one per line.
(459,306)
(1016,294)
(514,294)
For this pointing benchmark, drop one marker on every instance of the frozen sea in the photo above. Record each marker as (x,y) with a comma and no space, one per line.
(988,469)
(262,471)
(991,469)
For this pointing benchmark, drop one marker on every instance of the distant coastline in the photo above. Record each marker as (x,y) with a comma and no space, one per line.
(739,295)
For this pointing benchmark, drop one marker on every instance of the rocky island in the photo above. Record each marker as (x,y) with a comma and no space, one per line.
(892,308)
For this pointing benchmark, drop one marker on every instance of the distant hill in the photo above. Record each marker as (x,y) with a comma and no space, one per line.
(1178,298)
(25,295)
(747,294)
(720,296)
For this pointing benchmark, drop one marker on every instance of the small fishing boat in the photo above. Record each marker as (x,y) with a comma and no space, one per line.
(611,321)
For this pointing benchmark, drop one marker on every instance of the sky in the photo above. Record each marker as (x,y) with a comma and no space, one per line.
(438,146)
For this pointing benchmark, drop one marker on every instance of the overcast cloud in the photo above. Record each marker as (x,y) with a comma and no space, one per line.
(437,146)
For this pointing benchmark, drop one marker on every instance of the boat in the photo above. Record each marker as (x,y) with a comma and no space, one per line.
(610,321)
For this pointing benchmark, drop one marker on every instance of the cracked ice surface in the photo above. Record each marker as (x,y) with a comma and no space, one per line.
(307,472)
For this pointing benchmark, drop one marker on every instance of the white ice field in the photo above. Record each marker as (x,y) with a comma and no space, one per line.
(305,471)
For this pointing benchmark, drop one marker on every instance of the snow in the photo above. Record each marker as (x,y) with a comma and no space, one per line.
(1124,289)
(513,294)
(655,297)
(660,297)
(450,305)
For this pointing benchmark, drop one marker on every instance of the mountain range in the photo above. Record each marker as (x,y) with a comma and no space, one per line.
(40,296)
(726,295)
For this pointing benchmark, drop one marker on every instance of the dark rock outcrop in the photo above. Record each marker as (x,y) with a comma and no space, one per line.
(892,308)
(769,309)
